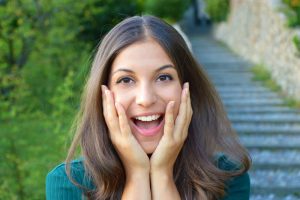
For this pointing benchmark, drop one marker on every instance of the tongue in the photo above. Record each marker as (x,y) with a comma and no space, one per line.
(147,125)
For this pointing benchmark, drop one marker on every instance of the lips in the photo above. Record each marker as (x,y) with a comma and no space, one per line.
(148,128)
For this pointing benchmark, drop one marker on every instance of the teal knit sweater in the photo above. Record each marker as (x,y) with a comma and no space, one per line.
(59,187)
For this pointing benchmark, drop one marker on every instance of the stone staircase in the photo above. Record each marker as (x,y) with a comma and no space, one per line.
(269,129)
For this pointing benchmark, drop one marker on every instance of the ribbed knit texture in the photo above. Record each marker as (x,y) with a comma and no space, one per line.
(59,187)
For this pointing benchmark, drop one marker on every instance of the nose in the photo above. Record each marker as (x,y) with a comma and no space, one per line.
(146,95)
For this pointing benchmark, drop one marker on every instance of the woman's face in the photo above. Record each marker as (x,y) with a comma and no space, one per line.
(144,80)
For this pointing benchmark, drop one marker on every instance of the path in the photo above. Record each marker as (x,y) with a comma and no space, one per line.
(269,130)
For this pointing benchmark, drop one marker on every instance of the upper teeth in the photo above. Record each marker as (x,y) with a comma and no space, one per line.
(148,118)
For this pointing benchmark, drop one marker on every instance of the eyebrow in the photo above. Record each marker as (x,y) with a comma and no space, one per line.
(157,70)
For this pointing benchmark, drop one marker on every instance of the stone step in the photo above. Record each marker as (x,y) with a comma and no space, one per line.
(266,118)
(249,102)
(278,182)
(260,109)
(199,45)
(272,196)
(226,68)
(219,57)
(227,65)
(267,184)
(227,73)
(271,177)
(204,44)
(235,75)
(229,79)
(233,82)
(234,95)
(237,89)
(259,129)
(219,54)
(208,50)
(214,61)
(225,81)
(280,141)
(230,76)
(275,159)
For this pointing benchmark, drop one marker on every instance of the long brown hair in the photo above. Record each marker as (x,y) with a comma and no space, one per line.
(196,173)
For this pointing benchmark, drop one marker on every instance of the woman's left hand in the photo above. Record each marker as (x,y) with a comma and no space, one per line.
(164,156)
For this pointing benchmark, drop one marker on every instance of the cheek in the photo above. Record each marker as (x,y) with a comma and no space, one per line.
(173,94)
(122,97)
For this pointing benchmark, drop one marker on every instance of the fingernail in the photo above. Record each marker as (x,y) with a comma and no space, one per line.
(186,91)
(106,92)
(172,104)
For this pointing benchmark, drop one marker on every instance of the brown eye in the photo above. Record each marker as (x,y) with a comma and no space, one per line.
(125,80)
(165,77)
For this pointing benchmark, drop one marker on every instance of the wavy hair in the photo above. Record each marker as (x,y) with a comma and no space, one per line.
(196,173)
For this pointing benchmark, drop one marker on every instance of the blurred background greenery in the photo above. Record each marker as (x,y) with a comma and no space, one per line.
(46,48)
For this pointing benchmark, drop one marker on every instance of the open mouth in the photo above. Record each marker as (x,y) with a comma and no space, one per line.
(150,127)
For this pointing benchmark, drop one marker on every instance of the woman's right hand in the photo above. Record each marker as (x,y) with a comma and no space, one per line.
(129,150)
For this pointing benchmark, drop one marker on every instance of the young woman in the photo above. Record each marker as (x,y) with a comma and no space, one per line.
(151,125)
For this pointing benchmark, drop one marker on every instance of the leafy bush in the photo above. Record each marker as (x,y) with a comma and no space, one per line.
(98,17)
(293,14)
(41,41)
(170,10)
(296,41)
(29,149)
(218,10)
(261,73)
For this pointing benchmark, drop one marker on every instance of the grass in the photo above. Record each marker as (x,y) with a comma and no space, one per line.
(263,75)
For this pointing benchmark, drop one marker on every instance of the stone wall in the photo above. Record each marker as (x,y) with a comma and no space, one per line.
(257,31)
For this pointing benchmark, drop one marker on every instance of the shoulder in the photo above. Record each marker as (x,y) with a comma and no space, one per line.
(237,187)
(224,163)
(59,186)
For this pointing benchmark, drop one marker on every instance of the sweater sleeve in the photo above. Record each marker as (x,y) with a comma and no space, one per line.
(58,185)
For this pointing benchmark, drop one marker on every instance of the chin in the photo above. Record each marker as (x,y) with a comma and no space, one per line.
(149,148)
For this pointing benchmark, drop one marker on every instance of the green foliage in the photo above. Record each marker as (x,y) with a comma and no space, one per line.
(41,41)
(293,13)
(263,75)
(218,10)
(293,103)
(170,10)
(296,41)
(30,148)
(98,17)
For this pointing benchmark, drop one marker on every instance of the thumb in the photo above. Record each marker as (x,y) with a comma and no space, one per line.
(169,119)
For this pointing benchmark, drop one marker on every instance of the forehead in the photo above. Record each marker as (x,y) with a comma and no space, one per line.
(142,56)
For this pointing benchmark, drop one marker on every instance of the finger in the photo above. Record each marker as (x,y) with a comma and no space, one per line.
(181,118)
(111,113)
(189,114)
(124,125)
(169,120)
(103,100)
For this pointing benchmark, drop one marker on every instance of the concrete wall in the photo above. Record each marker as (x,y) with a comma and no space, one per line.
(257,31)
